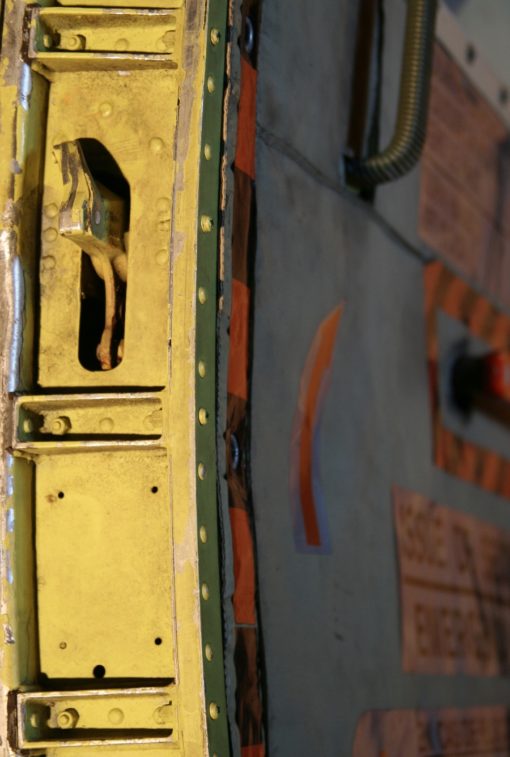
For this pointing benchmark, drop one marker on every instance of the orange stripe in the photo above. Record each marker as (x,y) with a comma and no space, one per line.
(244,567)
(444,290)
(253,751)
(438,280)
(246,120)
(453,300)
(466,466)
(498,335)
(489,323)
(467,305)
(491,463)
(239,327)
(325,340)
(478,315)
(444,453)
(432,276)
(505,482)
(438,285)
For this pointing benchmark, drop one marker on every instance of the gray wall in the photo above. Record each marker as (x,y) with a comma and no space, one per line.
(331,622)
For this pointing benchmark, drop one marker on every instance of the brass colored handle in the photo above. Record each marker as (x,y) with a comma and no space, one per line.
(406,145)
(93,218)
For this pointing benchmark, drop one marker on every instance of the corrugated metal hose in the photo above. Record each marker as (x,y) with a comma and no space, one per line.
(405,148)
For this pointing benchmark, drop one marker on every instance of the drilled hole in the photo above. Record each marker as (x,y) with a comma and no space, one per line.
(154,489)
(99,671)
(158,641)
(61,495)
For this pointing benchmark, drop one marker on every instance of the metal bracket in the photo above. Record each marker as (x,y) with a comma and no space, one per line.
(86,718)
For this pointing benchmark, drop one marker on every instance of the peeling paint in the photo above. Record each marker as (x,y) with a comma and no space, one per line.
(8,567)
(8,634)
(17,325)
(10,518)
(25,87)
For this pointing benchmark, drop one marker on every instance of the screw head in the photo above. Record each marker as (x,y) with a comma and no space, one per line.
(60,426)
(68,718)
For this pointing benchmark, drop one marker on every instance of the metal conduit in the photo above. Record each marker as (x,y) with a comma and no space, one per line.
(405,148)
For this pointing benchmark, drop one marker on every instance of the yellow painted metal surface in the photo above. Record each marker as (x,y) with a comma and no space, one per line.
(57,418)
(104,713)
(104,565)
(99,105)
(102,30)
(102,462)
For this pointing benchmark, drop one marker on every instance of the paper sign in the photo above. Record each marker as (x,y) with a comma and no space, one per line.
(455,589)
(475,732)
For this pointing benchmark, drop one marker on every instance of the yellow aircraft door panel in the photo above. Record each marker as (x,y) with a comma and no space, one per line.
(104,565)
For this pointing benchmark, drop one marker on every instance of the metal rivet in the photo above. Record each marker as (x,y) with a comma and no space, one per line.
(202,472)
(106,425)
(203,534)
(51,210)
(206,223)
(214,711)
(116,716)
(156,145)
(203,416)
(48,263)
(75,42)
(211,86)
(60,426)
(161,257)
(202,295)
(163,714)
(121,45)
(34,720)
(48,40)
(163,204)
(209,654)
(207,152)
(215,36)
(105,109)
(63,645)
(68,718)
(50,235)
(27,426)
(201,369)
(165,42)
(205,592)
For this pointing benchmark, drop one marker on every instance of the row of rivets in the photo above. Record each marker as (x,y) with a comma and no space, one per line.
(206,226)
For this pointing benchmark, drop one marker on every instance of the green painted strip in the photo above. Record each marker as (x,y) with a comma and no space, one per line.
(208,240)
